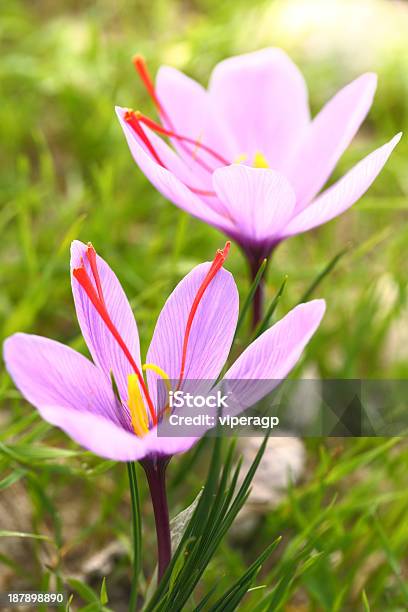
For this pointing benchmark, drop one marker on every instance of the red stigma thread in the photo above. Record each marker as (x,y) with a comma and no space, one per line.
(156,127)
(219,259)
(91,255)
(97,300)
(132,119)
(141,68)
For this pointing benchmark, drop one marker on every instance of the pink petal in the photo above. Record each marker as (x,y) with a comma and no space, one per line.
(51,374)
(262,98)
(168,445)
(328,136)
(96,433)
(261,201)
(104,349)
(191,113)
(271,357)
(170,184)
(211,333)
(344,193)
(74,395)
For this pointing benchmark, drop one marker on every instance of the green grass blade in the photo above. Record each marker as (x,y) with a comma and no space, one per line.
(320,277)
(250,296)
(265,323)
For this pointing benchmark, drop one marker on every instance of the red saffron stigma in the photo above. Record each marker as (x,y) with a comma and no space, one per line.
(156,127)
(132,119)
(91,255)
(219,259)
(141,68)
(81,275)
(203,192)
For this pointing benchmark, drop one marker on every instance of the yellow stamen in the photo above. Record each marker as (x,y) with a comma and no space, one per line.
(260,160)
(160,372)
(137,408)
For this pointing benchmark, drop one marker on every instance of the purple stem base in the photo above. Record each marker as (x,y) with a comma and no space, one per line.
(156,477)
(259,296)
(255,254)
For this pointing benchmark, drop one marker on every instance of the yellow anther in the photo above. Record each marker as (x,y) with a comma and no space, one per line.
(260,160)
(137,408)
(160,372)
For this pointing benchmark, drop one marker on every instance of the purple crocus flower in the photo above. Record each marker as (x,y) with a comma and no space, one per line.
(246,156)
(192,339)
(107,406)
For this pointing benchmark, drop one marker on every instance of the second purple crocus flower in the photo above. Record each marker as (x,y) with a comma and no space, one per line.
(245,155)
(107,406)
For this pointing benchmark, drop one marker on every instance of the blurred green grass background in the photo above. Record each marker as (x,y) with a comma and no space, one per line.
(66,173)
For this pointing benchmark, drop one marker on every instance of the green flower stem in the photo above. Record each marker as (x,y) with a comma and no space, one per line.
(136,534)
